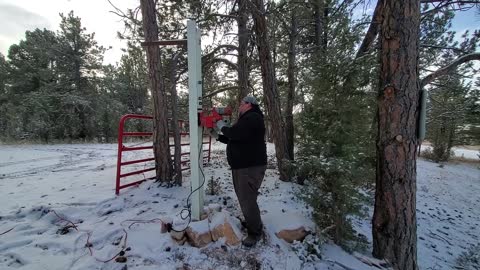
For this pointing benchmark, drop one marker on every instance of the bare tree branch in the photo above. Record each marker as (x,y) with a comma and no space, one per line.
(117,11)
(222,60)
(449,68)
(220,90)
(218,48)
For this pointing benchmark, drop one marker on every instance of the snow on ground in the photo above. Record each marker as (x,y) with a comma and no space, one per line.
(43,186)
(448,213)
(459,152)
(466,153)
(76,182)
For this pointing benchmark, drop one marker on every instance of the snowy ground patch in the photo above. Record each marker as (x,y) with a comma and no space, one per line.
(46,188)
(448,213)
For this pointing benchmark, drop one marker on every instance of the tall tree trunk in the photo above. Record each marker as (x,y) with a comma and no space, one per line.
(320,14)
(242,60)
(326,12)
(175,129)
(80,110)
(161,149)
(271,95)
(394,219)
(289,129)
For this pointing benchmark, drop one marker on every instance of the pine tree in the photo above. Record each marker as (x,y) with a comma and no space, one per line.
(446,115)
(30,108)
(4,102)
(3,74)
(336,153)
(53,88)
(447,93)
(133,80)
(79,60)
(110,107)
(470,130)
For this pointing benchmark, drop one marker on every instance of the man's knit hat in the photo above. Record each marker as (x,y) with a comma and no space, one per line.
(250,99)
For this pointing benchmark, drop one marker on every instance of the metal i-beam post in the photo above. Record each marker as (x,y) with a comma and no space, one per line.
(197,176)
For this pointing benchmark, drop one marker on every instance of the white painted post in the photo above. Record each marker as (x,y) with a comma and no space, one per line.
(197,176)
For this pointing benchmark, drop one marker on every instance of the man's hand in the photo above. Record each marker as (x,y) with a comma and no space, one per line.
(213,133)
(220,125)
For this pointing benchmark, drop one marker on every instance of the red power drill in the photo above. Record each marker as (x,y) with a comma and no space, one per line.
(208,120)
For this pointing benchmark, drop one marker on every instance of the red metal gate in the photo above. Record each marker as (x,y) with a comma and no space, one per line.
(122,148)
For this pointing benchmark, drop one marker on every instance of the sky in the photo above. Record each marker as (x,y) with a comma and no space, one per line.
(17,16)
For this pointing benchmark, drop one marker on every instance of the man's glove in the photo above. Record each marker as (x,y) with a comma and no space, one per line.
(213,133)
(220,125)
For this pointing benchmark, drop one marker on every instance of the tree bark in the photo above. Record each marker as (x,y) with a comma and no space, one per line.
(319,18)
(289,128)
(271,95)
(161,147)
(394,220)
(177,166)
(242,60)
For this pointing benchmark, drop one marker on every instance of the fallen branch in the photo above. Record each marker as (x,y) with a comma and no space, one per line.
(380,264)
(72,225)
(340,264)
(7,231)
(327,229)
(137,221)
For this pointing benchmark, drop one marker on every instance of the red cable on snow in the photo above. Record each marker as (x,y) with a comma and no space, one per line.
(120,252)
(63,219)
(89,244)
(89,234)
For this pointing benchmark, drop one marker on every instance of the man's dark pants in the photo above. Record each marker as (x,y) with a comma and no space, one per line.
(247,182)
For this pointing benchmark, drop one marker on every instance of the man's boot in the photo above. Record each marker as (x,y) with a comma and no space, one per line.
(251,240)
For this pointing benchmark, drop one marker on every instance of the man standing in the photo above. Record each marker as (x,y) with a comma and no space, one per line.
(247,156)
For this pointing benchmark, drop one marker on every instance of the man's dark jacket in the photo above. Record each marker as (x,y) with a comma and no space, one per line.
(245,141)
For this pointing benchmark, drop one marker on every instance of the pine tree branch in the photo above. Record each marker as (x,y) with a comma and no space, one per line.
(377,20)
(223,16)
(345,2)
(450,2)
(449,68)
(372,29)
(446,3)
(443,48)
